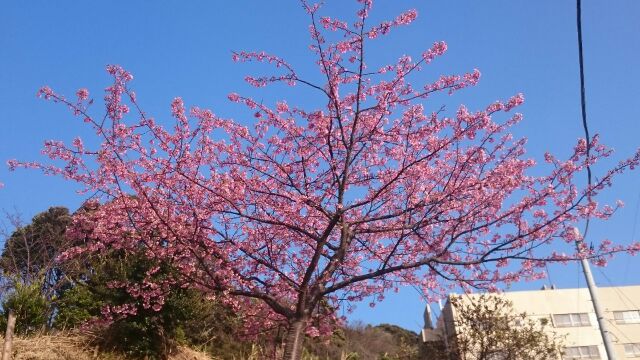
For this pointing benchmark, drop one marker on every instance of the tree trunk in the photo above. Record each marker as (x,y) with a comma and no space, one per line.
(294,340)
(8,337)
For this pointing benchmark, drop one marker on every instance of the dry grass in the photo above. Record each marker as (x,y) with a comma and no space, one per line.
(185,353)
(77,347)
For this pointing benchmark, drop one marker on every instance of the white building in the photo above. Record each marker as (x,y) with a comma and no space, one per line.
(570,312)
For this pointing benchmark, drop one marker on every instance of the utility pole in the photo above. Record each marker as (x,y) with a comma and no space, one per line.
(593,293)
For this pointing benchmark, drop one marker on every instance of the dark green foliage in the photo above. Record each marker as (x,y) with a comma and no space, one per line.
(148,333)
(30,252)
(30,307)
(77,305)
(187,316)
(206,324)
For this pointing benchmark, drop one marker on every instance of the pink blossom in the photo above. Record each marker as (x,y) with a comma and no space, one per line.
(407,17)
(282,107)
(45,92)
(514,101)
(83,94)
(234,97)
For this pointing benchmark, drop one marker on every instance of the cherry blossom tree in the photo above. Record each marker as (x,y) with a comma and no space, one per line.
(299,211)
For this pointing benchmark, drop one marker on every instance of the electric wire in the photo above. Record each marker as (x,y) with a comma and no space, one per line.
(583,107)
(633,234)
(621,294)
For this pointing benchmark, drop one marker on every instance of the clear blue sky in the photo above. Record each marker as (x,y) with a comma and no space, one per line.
(183,49)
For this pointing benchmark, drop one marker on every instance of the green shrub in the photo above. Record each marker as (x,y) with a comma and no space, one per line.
(30,306)
(76,306)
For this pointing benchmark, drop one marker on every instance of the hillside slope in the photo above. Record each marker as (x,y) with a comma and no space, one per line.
(75,347)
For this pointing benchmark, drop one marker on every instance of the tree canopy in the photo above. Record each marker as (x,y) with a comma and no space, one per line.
(30,252)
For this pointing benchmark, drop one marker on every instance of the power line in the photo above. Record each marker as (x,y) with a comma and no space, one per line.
(620,293)
(608,346)
(633,234)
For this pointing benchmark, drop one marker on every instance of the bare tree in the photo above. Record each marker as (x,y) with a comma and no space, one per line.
(488,328)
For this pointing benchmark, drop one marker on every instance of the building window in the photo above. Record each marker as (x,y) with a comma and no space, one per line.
(627,317)
(571,320)
(632,350)
(581,352)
